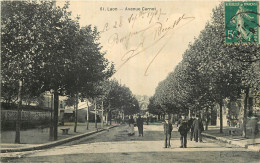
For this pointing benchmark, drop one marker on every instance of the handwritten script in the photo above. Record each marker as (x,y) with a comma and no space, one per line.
(137,41)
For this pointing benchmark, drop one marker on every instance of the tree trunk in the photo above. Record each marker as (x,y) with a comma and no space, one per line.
(245,113)
(95,101)
(87,115)
(76,112)
(102,116)
(18,121)
(207,119)
(56,110)
(220,116)
(107,118)
(110,116)
(123,116)
(51,138)
(107,111)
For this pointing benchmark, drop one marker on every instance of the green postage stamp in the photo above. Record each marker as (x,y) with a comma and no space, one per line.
(241,22)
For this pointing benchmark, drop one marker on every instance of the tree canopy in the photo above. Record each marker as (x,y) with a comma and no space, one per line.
(210,71)
(47,50)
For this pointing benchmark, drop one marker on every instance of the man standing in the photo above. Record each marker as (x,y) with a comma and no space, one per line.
(131,126)
(139,123)
(190,122)
(254,127)
(183,129)
(167,132)
(201,129)
(198,128)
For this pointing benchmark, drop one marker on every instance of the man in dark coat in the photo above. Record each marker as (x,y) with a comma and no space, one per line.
(254,127)
(131,126)
(198,128)
(201,129)
(167,132)
(183,129)
(139,123)
(190,122)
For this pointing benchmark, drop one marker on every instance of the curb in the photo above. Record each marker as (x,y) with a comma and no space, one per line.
(56,143)
(237,143)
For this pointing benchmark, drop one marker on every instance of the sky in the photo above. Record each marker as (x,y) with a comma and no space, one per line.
(144,39)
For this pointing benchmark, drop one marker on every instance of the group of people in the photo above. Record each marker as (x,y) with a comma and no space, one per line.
(139,124)
(194,125)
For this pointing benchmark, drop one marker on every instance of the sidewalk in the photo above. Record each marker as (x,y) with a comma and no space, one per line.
(32,139)
(233,136)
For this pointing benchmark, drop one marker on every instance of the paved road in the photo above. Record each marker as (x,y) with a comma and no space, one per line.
(117,146)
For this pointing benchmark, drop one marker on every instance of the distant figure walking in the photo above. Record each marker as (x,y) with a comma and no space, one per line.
(139,123)
(183,129)
(198,128)
(191,128)
(254,127)
(131,126)
(201,129)
(167,133)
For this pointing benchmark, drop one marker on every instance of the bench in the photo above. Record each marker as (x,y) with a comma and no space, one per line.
(65,131)
(233,132)
(42,128)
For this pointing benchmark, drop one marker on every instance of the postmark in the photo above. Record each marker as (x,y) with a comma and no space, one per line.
(241,22)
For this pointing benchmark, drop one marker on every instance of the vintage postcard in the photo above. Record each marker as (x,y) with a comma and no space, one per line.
(130,81)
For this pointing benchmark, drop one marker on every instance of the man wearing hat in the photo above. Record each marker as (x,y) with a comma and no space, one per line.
(139,123)
(167,132)
(254,126)
(191,128)
(183,129)
(198,128)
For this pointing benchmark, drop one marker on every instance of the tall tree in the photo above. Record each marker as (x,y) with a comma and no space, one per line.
(88,67)
(43,47)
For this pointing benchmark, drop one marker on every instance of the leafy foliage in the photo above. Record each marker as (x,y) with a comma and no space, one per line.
(121,98)
(46,49)
(209,72)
